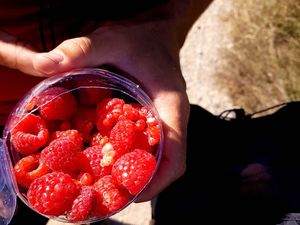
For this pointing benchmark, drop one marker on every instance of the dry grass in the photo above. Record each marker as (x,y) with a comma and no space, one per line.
(263,64)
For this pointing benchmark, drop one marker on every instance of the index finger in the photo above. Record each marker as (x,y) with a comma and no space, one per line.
(17,54)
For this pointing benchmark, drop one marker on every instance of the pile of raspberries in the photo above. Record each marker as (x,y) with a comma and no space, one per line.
(84,154)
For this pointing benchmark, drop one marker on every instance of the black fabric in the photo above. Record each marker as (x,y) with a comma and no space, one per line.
(102,10)
(218,151)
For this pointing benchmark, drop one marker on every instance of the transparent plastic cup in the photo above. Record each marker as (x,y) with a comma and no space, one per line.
(76,83)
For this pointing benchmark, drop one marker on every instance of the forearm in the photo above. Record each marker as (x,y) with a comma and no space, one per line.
(178,16)
(187,12)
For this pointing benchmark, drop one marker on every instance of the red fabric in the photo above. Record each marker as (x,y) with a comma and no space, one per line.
(17,18)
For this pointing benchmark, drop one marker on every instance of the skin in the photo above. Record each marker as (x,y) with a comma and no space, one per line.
(146,47)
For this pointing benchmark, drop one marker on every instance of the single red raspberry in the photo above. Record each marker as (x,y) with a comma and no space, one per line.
(61,155)
(108,112)
(153,135)
(56,103)
(84,121)
(130,112)
(122,137)
(74,135)
(110,194)
(141,141)
(31,104)
(53,194)
(28,169)
(94,157)
(134,170)
(29,134)
(85,179)
(65,125)
(99,140)
(58,125)
(140,125)
(152,129)
(89,94)
(82,205)
(147,115)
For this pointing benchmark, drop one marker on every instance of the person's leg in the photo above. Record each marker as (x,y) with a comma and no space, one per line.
(227,178)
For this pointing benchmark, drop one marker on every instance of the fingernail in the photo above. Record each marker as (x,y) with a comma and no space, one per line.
(47,62)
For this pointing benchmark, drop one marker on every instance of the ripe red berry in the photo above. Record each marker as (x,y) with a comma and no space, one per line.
(84,121)
(82,205)
(108,112)
(85,179)
(56,103)
(61,155)
(99,140)
(89,95)
(93,157)
(133,170)
(29,134)
(53,194)
(130,112)
(28,169)
(110,194)
(153,135)
(74,135)
(122,137)
(141,141)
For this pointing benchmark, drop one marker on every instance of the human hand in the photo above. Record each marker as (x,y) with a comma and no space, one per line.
(148,51)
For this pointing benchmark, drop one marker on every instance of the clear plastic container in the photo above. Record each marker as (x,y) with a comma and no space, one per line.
(73,82)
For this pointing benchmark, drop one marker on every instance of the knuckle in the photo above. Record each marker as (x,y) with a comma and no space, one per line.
(76,46)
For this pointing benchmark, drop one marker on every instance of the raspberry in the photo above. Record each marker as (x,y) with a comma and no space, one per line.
(108,112)
(140,125)
(90,95)
(130,112)
(55,104)
(61,155)
(65,125)
(84,121)
(85,179)
(99,140)
(153,129)
(82,205)
(153,135)
(141,142)
(134,170)
(30,134)
(31,104)
(72,134)
(122,137)
(94,157)
(28,169)
(52,194)
(110,194)
(147,115)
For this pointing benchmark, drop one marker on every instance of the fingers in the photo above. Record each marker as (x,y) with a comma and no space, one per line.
(172,164)
(17,54)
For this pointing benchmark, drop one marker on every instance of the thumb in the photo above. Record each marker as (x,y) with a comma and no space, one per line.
(70,54)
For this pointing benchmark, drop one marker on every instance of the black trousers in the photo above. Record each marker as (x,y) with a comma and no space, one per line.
(239,171)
